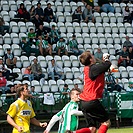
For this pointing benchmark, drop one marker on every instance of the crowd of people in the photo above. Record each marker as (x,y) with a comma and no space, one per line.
(40,42)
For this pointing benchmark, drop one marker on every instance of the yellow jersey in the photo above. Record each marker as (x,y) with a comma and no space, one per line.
(21,111)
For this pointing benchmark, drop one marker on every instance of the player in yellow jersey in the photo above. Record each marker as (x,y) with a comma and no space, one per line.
(20,113)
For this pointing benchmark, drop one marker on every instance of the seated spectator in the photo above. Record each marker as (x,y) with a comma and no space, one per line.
(64,93)
(45,47)
(104,6)
(37,21)
(3,28)
(11,94)
(76,87)
(74,46)
(49,14)
(124,57)
(99,54)
(112,82)
(130,52)
(43,31)
(127,43)
(4,69)
(32,13)
(28,74)
(39,11)
(87,14)
(54,69)
(26,46)
(32,36)
(23,13)
(77,15)
(127,15)
(36,70)
(54,34)
(61,47)
(10,60)
(3,82)
(130,87)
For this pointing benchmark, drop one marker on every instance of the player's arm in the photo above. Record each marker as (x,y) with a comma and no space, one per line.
(54,119)
(11,122)
(37,123)
(76,112)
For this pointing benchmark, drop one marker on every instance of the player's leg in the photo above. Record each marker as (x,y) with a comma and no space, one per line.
(83,130)
(104,127)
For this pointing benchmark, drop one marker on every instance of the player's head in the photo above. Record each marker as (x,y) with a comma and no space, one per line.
(86,58)
(74,94)
(23,91)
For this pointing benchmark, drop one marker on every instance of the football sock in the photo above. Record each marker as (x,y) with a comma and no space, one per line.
(84,130)
(103,129)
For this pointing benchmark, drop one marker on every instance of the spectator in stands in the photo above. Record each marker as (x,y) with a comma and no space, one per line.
(32,13)
(32,36)
(46,48)
(124,57)
(10,94)
(104,6)
(127,43)
(99,53)
(77,15)
(130,52)
(37,21)
(39,11)
(10,60)
(112,82)
(3,82)
(23,13)
(76,87)
(64,93)
(28,74)
(3,28)
(43,31)
(4,69)
(54,69)
(6,72)
(130,87)
(34,98)
(127,15)
(36,70)
(87,14)
(74,46)
(54,34)
(61,47)
(26,46)
(49,14)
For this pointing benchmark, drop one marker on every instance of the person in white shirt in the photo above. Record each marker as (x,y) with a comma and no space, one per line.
(55,69)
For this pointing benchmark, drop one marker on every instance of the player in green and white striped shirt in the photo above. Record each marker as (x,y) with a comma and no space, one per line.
(68,116)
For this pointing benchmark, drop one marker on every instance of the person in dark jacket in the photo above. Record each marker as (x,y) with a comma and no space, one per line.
(26,46)
(48,13)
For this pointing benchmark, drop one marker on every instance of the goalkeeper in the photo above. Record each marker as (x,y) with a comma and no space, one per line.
(68,116)
(92,93)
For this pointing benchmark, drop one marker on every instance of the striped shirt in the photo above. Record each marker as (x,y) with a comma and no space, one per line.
(67,117)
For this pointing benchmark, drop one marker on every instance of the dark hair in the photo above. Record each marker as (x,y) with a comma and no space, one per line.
(38,3)
(85,58)
(65,85)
